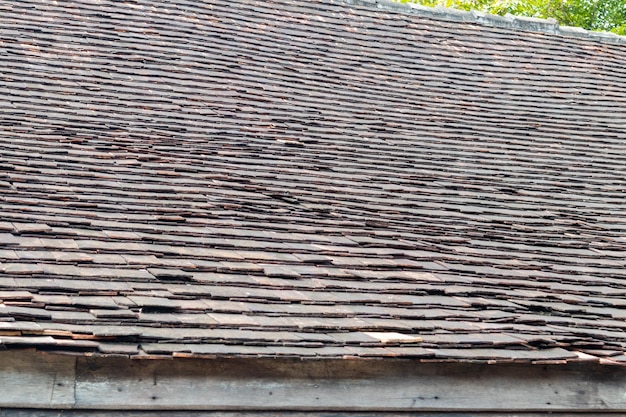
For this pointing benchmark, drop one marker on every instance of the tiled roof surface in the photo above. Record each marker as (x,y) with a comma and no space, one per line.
(308,178)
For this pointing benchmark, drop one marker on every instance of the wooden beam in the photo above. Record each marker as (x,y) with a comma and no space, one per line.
(384,385)
(158,413)
(29,379)
(390,385)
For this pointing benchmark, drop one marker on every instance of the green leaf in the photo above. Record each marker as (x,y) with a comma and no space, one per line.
(597,15)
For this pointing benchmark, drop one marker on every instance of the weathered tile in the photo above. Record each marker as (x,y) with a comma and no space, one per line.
(22,269)
(94,302)
(121,348)
(26,228)
(299,209)
(113,314)
(15,295)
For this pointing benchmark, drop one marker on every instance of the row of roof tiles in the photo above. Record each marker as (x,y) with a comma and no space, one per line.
(307,179)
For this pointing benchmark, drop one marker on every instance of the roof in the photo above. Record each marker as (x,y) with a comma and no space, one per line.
(319,179)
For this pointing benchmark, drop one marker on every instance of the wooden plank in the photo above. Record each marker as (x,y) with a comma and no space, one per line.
(156,413)
(36,380)
(357,385)
(31,379)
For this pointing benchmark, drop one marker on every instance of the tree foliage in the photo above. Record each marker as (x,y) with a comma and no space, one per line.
(598,15)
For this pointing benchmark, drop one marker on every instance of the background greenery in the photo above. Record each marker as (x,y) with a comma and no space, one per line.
(598,15)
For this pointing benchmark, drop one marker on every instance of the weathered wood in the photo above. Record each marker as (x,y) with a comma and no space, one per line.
(346,385)
(36,380)
(157,413)
(30,379)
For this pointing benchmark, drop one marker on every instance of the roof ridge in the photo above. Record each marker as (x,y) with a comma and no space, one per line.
(509,21)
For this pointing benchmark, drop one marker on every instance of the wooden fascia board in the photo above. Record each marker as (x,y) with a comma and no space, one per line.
(21,412)
(35,380)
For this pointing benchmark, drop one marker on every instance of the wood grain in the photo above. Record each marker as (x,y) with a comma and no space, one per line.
(34,380)
(158,413)
(392,385)
(30,379)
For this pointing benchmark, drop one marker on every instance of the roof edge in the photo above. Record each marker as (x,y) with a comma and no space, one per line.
(529,24)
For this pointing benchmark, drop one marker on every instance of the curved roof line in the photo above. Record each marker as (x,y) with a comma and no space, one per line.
(509,21)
